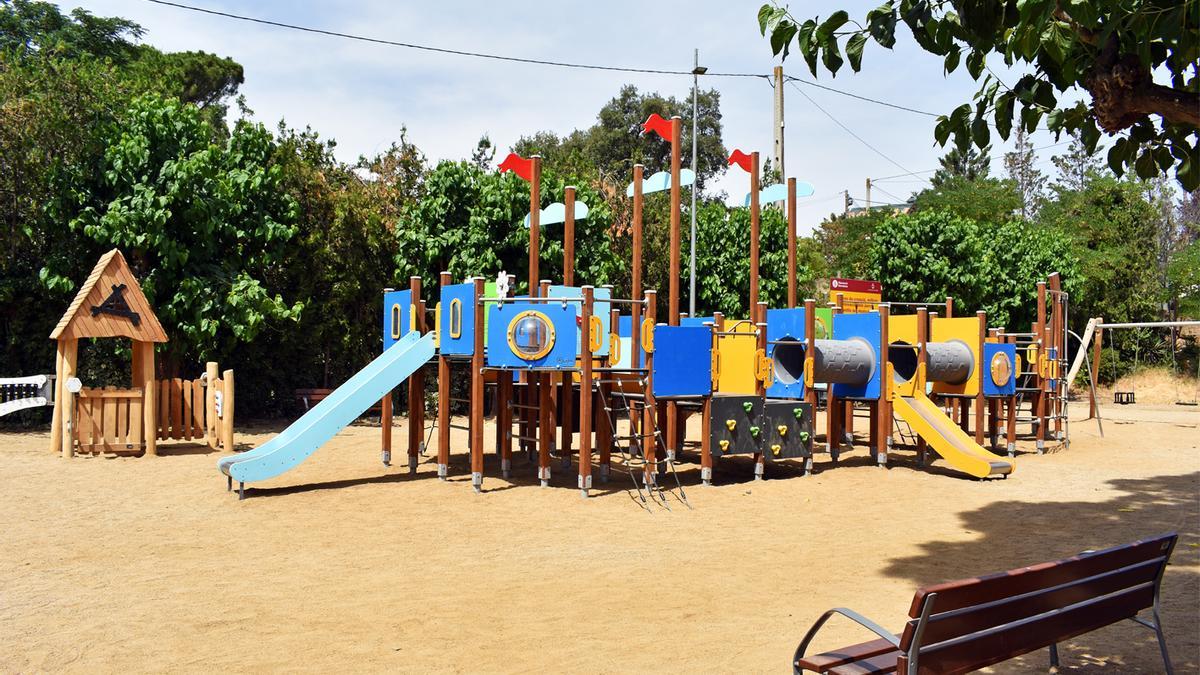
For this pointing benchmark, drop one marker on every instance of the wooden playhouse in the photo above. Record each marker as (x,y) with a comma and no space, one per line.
(110,304)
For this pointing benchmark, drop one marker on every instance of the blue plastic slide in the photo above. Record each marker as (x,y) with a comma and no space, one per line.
(340,408)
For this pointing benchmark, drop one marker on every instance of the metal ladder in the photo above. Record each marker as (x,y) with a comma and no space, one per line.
(633,459)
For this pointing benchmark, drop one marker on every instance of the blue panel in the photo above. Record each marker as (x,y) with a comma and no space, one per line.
(562,353)
(458,311)
(785,324)
(600,307)
(866,326)
(682,361)
(989,388)
(396,316)
(695,320)
(624,325)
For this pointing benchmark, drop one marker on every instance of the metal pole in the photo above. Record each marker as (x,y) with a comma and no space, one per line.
(695,116)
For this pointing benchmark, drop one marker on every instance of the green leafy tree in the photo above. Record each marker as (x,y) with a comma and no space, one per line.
(986,200)
(39,28)
(201,223)
(845,243)
(1110,49)
(1077,166)
(615,143)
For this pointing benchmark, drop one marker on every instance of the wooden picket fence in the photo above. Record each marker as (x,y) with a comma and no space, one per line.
(110,420)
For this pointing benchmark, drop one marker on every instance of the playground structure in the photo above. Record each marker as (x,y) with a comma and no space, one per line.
(129,421)
(566,360)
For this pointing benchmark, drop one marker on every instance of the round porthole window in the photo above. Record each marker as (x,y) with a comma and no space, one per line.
(531,335)
(1001,369)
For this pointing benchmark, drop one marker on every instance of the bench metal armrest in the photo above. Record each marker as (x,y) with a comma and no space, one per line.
(849,614)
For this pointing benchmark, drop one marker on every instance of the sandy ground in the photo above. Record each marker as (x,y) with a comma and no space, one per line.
(344,565)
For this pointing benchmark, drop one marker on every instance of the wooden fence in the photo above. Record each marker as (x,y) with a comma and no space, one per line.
(110,420)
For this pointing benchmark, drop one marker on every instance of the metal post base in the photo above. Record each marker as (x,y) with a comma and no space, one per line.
(544,475)
(1041,447)
(506,468)
(421,448)
(808,466)
(477,481)
(241,491)
(386,457)
(604,469)
(442,471)
(760,467)
(1012,449)
(412,463)
(881,459)
(585,484)
(670,455)
(706,475)
(229,483)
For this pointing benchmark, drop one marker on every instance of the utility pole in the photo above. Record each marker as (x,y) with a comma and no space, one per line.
(779,123)
(697,71)
(846,204)
(868,196)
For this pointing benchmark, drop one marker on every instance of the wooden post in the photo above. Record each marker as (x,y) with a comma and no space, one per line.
(810,351)
(759,315)
(70,356)
(416,387)
(883,414)
(1040,336)
(754,230)
(212,374)
(671,435)
(585,398)
(649,447)
(791,242)
(980,402)
(919,385)
(1097,349)
(569,236)
(61,396)
(477,392)
(535,218)
(150,393)
(443,411)
(227,412)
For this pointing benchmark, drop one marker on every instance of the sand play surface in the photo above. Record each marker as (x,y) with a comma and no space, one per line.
(148,564)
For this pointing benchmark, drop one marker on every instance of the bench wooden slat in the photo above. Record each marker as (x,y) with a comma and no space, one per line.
(875,665)
(991,647)
(957,594)
(864,650)
(948,625)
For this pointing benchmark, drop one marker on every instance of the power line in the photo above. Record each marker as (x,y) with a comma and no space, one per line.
(914,173)
(847,129)
(861,97)
(443,50)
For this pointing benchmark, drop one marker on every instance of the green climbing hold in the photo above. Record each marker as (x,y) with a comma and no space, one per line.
(803,436)
(748,406)
(798,412)
(754,431)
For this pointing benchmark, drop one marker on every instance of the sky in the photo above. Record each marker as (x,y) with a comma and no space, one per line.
(362,94)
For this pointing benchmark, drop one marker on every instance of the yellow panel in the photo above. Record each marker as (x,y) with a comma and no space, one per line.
(965,330)
(736,355)
(902,328)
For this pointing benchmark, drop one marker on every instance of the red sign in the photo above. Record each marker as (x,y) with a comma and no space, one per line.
(855,286)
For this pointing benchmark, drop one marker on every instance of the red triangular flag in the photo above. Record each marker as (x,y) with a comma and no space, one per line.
(518,165)
(658,125)
(741,159)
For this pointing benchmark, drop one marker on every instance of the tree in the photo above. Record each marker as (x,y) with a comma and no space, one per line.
(1022,171)
(1077,166)
(968,165)
(1110,49)
(38,29)
(986,200)
(484,153)
(615,142)
(201,224)
(845,243)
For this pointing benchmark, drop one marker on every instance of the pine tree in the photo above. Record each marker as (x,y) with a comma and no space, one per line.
(1031,182)
(971,165)
(1077,166)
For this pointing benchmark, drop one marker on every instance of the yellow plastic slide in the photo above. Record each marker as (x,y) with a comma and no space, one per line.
(947,439)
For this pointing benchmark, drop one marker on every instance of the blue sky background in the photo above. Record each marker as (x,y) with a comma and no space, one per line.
(362,94)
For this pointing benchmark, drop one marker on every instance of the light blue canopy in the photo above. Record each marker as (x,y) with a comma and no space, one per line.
(557,213)
(662,181)
(778,192)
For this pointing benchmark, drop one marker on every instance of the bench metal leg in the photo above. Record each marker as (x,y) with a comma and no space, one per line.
(1162,640)
(1054,656)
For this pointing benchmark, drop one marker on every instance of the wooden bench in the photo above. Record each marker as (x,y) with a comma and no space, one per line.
(310,397)
(961,626)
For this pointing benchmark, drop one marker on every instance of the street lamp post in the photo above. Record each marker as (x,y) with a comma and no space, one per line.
(697,71)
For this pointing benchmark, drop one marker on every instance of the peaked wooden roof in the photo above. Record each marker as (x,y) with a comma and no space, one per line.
(102,308)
